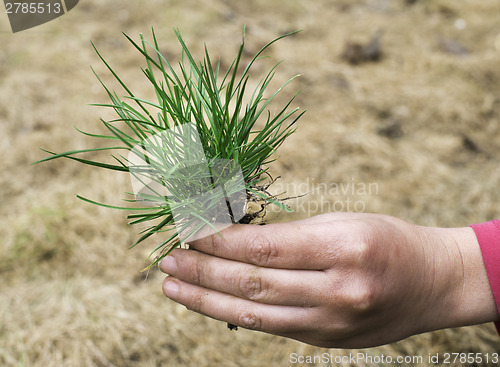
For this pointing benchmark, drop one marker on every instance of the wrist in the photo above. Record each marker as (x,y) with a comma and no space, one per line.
(467,295)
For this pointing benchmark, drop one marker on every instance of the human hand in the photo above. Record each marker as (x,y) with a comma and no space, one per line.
(346,280)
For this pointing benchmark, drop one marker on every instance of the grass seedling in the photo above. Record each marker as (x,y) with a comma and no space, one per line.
(231,134)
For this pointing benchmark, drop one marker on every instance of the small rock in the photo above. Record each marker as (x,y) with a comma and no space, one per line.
(356,53)
(391,131)
(470,145)
(452,47)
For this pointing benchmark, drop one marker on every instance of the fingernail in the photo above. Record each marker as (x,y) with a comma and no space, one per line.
(169,265)
(170,288)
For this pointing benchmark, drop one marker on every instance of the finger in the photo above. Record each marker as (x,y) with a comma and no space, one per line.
(293,245)
(263,285)
(273,319)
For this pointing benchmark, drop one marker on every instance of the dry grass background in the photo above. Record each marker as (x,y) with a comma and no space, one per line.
(422,123)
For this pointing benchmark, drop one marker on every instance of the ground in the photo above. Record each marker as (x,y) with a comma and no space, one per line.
(411,132)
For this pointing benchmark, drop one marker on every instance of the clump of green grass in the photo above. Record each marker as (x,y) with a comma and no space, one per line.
(226,115)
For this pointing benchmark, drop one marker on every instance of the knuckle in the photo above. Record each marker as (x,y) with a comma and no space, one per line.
(197,303)
(261,251)
(252,286)
(249,320)
(360,252)
(197,273)
(214,242)
(363,299)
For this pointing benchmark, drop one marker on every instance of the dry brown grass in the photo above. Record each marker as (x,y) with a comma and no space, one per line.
(422,124)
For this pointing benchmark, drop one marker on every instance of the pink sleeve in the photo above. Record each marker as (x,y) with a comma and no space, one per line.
(488,236)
